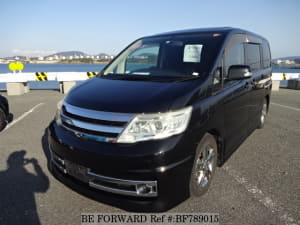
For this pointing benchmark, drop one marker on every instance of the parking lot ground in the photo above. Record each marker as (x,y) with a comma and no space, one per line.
(259,184)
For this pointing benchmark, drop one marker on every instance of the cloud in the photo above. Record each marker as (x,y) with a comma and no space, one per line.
(35,52)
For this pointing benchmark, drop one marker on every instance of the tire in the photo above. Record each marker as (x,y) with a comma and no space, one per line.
(204,167)
(3,121)
(263,114)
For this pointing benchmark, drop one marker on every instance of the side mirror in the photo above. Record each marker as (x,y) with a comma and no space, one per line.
(238,72)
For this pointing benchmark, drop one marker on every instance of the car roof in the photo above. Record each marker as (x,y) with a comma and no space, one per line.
(223,30)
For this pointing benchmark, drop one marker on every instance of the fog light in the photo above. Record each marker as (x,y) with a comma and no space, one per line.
(143,188)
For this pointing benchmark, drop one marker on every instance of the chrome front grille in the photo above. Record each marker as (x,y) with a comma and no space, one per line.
(92,124)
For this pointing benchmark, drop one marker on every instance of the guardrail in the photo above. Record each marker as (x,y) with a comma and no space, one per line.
(286,80)
(285,76)
(17,82)
(58,76)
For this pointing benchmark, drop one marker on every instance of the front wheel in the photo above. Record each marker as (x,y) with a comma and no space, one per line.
(204,165)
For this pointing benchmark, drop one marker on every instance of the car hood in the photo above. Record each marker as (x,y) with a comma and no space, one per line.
(131,96)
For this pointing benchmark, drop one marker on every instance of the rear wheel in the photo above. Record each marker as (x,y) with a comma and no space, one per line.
(263,114)
(204,165)
(3,121)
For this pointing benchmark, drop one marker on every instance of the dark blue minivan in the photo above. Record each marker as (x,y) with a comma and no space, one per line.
(150,129)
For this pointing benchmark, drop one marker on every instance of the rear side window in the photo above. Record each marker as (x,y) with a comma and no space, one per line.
(252,56)
(266,56)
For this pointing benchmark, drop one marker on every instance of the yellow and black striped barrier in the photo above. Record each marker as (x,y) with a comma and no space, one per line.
(91,74)
(41,76)
(284,76)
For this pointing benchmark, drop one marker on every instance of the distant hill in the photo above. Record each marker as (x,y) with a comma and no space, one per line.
(102,55)
(75,53)
(67,54)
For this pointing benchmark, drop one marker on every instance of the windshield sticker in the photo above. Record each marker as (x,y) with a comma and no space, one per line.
(192,53)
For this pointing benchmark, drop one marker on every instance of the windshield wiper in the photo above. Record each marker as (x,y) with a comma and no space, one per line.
(180,79)
(136,78)
(150,78)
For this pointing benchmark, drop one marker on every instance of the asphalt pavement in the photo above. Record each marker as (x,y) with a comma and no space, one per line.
(259,184)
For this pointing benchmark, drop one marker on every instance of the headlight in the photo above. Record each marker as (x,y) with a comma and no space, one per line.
(155,126)
(58,112)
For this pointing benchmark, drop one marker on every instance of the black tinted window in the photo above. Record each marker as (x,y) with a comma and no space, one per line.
(234,53)
(168,56)
(266,55)
(252,56)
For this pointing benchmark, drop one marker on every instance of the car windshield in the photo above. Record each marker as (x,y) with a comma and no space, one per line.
(177,56)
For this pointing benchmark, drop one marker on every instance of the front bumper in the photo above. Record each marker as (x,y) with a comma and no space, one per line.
(148,176)
(104,183)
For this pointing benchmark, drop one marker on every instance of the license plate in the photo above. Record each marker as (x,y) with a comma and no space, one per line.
(76,171)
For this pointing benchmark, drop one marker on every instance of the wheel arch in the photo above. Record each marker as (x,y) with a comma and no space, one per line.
(220,144)
(267,97)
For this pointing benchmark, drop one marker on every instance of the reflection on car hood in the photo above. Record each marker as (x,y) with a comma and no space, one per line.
(131,96)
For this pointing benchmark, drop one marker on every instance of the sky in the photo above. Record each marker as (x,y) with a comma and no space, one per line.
(43,27)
